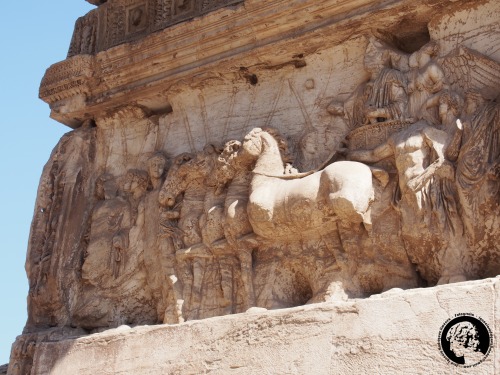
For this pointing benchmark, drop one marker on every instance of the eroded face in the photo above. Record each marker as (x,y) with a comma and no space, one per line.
(133,185)
(157,167)
(310,143)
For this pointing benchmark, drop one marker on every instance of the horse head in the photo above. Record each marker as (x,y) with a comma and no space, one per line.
(226,165)
(266,147)
(176,181)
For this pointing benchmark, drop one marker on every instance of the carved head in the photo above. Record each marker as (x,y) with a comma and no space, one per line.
(309,143)
(336,109)
(227,164)
(450,103)
(157,165)
(473,101)
(420,58)
(377,57)
(105,187)
(252,143)
(209,158)
(175,182)
(136,182)
(268,149)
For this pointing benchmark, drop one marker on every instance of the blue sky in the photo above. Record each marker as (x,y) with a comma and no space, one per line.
(34,34)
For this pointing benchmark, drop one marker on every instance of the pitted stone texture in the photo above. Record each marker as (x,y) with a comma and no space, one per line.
(389,334)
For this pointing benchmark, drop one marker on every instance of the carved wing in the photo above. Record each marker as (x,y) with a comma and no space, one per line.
(467,70)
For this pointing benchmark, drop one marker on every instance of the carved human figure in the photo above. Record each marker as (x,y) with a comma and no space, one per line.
(59,227)
(120,244)
(478,181)
(426,188)
(188,176)
(310,145)
(41,227)
(128,242)
(426,78)
(110,214)
(172,229)
(212,219)
(135,187)
(464,342)
(386,92)
(159,249)
(177,290)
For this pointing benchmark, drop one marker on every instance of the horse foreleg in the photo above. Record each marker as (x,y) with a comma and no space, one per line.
(226,282)
(353,210)
(187,285)
(198,271)
(245,257)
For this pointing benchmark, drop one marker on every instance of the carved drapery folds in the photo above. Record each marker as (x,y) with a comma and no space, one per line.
(275,186)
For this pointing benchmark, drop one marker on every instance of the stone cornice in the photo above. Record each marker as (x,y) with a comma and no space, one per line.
(256,35)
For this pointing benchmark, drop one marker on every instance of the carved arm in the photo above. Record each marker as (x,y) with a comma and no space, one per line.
(453,148)
(371,156)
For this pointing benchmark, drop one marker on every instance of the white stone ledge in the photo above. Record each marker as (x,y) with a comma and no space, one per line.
(393,333)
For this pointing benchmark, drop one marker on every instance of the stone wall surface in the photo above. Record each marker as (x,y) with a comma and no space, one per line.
(227,156)
(392,333)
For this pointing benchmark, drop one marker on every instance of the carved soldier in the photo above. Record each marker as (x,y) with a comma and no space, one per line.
(159,250)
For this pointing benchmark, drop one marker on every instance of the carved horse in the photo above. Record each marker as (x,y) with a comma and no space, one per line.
(185,176)
(201,212)
(234,174)
(188,176)
(303,205)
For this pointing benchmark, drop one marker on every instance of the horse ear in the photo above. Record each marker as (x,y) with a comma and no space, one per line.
(209,149)
(184,158)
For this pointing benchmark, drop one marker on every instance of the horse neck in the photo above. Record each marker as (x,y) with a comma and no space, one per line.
(269,161)
(195,190)
(212,198)
(240,185)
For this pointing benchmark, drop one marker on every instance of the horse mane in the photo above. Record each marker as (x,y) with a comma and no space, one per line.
(262,164)
(282,144)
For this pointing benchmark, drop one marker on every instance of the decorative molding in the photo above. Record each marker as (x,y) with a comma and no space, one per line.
(121,21)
